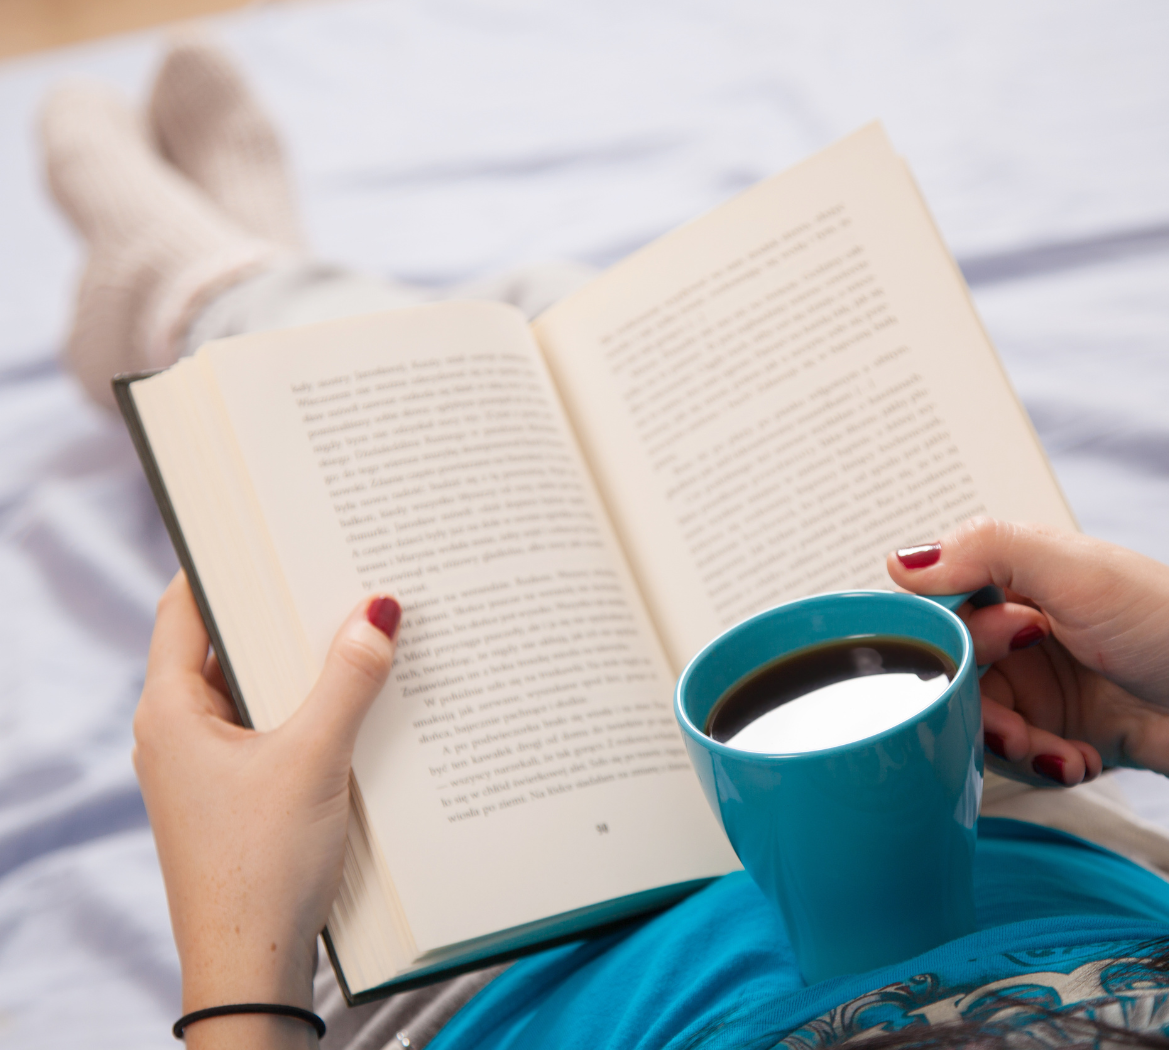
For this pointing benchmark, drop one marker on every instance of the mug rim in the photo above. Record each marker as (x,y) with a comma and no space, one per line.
(965,664)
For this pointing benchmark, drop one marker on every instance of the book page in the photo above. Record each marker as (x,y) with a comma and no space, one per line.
(523,760)
(776,395)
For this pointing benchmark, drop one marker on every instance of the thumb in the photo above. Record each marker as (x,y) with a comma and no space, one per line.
(356,668)
(1105,604)
(1049,567)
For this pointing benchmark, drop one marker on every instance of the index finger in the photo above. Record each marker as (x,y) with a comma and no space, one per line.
(179,642)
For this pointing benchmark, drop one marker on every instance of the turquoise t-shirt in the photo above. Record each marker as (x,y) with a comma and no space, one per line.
(1061,922)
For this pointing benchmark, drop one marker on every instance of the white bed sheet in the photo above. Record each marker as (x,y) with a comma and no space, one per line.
(435,140)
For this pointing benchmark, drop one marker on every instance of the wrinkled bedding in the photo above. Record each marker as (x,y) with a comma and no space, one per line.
(437,141)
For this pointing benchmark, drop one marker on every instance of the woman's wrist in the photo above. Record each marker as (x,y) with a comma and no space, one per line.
(228,978)
(242,962)
(221,979)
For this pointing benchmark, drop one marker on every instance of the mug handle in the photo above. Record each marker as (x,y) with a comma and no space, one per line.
(990,595)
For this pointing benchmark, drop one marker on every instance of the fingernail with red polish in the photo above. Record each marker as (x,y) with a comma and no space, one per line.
(920,556)
(1050,766)
(1028,637)
(385,614)
(995,744)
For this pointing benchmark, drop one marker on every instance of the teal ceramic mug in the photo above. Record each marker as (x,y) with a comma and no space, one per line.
(867,849)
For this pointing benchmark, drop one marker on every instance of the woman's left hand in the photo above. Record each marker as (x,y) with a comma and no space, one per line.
(1079,650)
(250,826)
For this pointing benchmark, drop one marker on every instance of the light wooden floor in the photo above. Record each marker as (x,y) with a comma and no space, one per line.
(33,25)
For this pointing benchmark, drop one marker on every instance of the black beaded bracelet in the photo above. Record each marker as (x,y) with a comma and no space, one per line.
(250,1008)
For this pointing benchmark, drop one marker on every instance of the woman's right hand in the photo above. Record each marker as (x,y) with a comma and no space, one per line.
(1080,648)
(250,827)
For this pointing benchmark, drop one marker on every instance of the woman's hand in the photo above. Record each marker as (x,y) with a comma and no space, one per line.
(250,827)
(1080,648)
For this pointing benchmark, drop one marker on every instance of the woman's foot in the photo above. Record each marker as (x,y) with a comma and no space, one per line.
(159,249)
(210,126)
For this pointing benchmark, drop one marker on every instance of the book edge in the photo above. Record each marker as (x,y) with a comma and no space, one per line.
(124,397)
(584,923)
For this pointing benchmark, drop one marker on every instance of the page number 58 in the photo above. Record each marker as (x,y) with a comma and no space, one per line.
(602,829)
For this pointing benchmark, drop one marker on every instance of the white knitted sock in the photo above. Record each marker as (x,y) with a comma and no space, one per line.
(158,248)
(210,126)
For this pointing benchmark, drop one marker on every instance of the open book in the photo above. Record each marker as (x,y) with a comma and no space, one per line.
(756,407)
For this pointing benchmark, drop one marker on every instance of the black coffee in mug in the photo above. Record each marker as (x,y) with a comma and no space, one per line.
(830,694)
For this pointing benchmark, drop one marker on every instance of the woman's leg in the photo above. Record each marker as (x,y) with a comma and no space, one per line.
(303,291)
(190,226)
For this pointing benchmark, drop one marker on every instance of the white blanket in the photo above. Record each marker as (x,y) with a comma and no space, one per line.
(436,141)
